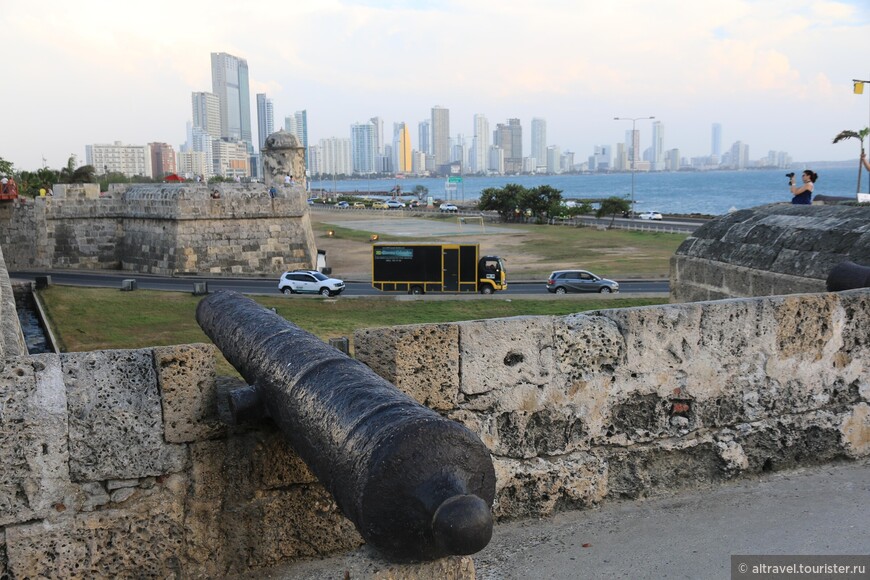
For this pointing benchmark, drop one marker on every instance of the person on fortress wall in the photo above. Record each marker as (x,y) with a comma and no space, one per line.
(273,192)
(288,181)
(803,195)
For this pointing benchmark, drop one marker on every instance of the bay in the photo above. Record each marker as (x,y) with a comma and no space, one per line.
(691,192)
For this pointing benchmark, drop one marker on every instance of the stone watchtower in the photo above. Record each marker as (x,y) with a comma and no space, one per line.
(283,155)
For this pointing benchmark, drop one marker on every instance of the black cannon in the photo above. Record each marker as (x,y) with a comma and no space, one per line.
(848,276)
(416,485)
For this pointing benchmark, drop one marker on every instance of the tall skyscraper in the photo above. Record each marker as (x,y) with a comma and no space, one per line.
(404,162)
(539,142)
(207,113)
(632,147)
(378,124)
(716,141)
(362,147)
(509,138)
(424,134)
(229,81)
(440,136)
(297,125)
(657,152)
(480,145)
(265,119)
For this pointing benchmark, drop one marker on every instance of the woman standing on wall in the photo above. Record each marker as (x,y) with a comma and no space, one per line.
(803,195)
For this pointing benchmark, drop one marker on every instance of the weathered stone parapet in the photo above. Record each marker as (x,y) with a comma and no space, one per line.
(119,464)
(769,250)
(588,407)
(11,338)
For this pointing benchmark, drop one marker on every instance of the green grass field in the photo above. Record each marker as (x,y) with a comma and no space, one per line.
(85,319)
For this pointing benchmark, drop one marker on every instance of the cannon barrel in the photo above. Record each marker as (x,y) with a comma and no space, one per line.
(848,276)
(416,485)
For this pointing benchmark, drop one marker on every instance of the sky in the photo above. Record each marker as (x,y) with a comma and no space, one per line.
(775,74)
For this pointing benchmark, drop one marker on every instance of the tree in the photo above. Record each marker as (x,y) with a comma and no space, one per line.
(860,135)
(612,206)
(505,200)
(541,201)
(6,167)
(421,191)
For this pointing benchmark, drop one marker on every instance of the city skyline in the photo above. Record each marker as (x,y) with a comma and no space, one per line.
(775,76)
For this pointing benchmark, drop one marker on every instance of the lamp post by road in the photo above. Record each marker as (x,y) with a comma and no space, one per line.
(634,121)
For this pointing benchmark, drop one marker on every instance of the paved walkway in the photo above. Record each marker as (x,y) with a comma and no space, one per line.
(822,510)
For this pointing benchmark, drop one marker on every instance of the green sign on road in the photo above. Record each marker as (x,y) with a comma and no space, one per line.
(454,180)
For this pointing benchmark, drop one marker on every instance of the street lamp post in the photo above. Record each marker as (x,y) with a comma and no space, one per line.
(633,120)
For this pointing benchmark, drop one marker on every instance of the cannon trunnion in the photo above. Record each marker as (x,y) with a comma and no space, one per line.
(416,485)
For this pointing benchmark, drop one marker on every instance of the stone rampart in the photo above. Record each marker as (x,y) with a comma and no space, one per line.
(222,229)
(641,401)
(769,250)
(124,463)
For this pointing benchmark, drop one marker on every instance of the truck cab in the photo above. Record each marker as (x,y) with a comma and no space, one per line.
(492,275)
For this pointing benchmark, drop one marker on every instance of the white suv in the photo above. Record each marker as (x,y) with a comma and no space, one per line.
(649,215)
(309,282)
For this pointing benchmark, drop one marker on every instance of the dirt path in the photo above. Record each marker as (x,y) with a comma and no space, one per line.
(351,260)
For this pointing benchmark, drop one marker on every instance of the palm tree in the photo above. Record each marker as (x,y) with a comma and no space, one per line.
(860,135)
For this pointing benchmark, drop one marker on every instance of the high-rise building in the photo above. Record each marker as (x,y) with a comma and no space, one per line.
(496,159)
(632,147)
(567,161)
(207,113)
(201,142)
(424,135)
(162,160)
(194,163)
(509,138)
(362,147)
(404,162)
(297,125)
(131,160)
(539,143)
(739,155)
(716,140)
(231,158)
(621,162)
(554,159)
(603,158)
(378,124)
(480,145)
(672,160)
(440,136)
(657,151)
(335,156)
(265,119)
(229,81)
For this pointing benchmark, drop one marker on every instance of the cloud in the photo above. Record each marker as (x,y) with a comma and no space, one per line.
(102,71)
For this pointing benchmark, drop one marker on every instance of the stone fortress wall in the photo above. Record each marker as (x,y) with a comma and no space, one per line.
(123,463)
(165,229)
(769,250)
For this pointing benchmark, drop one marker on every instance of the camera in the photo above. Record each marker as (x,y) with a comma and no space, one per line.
(789,175)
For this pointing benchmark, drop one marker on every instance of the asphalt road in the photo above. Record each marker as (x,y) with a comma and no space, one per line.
(270,286)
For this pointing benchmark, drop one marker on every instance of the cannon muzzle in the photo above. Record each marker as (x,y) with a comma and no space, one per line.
(416,485)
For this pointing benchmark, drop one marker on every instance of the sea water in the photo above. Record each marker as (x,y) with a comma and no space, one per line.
(691,192)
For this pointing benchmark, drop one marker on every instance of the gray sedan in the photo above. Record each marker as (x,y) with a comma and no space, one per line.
(564,281)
